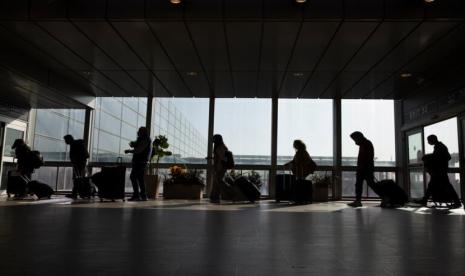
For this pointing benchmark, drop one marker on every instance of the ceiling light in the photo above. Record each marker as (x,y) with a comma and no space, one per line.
(429,1)
(175,2)
(405,75)
(300,1)
(192,74)
(298,74)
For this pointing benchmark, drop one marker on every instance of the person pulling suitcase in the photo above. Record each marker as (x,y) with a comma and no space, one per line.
(78,156)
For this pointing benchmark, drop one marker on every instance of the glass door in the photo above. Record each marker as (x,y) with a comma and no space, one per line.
(9,133)
(416,151)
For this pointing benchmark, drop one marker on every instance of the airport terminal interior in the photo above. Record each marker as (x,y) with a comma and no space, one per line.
(262,74)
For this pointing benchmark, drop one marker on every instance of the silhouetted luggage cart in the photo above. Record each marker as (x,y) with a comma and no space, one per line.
(110,181)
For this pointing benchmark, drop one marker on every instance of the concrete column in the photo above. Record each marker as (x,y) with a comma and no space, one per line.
(337,150)
(148,113)
(211,124)
(401,147)
(274,146)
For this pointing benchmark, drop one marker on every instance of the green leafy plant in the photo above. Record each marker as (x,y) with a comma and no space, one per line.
(181,175)
(160,149)
(321,179)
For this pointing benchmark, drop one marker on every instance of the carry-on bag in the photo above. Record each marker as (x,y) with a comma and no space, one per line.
(284,186)
(16,184)
(229,190)
(391,194)
(303,191)
(110,181)
(250,191)
(39,189)
(83,186)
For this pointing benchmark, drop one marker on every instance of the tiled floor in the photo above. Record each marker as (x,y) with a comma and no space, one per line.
(197,238)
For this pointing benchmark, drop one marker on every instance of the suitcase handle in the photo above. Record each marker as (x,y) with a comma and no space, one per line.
(119,160)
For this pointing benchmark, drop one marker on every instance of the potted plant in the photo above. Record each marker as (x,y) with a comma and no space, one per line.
(321,185)
(159,150)
(183,184)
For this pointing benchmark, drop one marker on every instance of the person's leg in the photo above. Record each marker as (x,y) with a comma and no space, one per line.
(141,181)
(216,186)
(360,176)
(135,185)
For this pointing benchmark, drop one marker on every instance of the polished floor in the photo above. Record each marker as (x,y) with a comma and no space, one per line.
(60,237)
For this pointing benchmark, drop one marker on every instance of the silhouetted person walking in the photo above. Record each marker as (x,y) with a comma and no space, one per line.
(219,160)
(365,166)
(142,150)
(437,165)
(78,156)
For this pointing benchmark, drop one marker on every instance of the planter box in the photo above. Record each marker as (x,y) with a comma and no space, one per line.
(152,185)
(182,191)
(320,192)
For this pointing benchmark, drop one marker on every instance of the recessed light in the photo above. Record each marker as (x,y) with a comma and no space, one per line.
(192,74)
(175,2)
(405,75)
(298,74)
(300,1)
(429,1)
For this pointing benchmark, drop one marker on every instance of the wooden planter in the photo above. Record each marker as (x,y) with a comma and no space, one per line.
(182,191)
(152,185)
(320,192)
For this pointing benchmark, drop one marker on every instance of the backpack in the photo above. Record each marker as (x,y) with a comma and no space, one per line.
(36,160)
(229,162)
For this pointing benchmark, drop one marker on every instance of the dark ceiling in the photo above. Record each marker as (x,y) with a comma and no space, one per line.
(61,53)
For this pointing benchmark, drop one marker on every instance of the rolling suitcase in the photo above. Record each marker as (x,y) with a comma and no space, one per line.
(110,182)
(16,184)
(83,186)
(391,194)
(229,191)
(283,188)
(303,191)
(250,191)
(41,190)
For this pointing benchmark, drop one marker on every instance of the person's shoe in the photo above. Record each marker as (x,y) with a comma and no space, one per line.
(355,204)
(134,199)
(215,201)
(71,196)
(143,199)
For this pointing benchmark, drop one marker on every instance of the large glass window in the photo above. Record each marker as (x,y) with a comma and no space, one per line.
(116,122)
(375,119)
(415,148)
(50,127)
(10,136)
(310,121)
(447,133)
(245,125)
(184,121)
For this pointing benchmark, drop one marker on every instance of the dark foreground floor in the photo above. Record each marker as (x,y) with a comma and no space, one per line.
(192,238)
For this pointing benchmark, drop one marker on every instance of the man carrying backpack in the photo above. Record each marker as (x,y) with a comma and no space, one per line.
(78,156)
(222,161)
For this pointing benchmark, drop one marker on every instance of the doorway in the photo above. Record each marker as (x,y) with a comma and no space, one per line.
(9,132)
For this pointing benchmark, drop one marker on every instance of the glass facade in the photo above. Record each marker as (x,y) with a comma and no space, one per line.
(245,125)
(447,133)
(116,122)
(50,127)
(310,121)
(184,121)
(375,119)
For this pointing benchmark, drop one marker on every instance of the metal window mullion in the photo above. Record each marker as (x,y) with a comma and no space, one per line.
(211,125)
(337,149)
(274,147)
